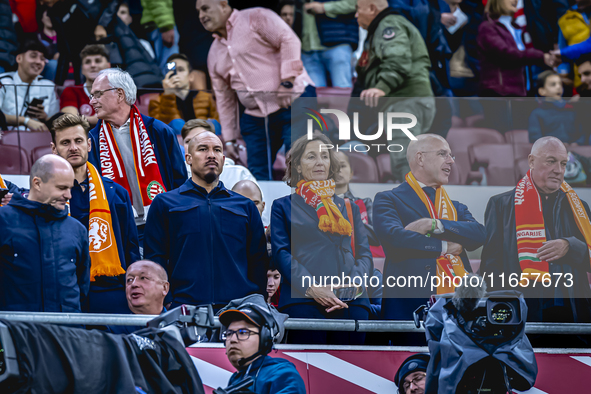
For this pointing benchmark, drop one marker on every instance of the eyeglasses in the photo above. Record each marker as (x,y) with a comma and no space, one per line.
(97,95)
(441,153)
(243,334)
(408,383)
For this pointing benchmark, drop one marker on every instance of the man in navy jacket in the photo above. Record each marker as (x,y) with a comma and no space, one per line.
(70,141)
(401,219)
(209,239)
(44,261)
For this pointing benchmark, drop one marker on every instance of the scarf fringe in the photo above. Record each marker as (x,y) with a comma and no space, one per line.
(105,270)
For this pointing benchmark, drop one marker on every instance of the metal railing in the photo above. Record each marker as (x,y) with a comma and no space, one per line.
(99,319)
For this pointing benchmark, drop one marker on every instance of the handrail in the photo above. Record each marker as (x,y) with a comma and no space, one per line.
(99,319)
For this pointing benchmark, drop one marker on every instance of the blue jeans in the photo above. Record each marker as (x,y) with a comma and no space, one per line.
(265,136)
(162,52)
(335,61)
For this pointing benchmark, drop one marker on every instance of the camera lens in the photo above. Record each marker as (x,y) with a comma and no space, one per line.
(502,313)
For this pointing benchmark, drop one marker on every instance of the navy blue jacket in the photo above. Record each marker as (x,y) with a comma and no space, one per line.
(101,298)
(271,375)
(166,147)
(556,120)
(301,249)
(212,245)
(409,253)
(343,29)
(44,261)
(12,188)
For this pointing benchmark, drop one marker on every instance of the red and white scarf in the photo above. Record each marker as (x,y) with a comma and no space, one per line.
(147,170)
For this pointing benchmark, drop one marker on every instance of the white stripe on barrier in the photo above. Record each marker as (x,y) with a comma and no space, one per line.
(211,375)
(533,390)
(346,371)
(584,359)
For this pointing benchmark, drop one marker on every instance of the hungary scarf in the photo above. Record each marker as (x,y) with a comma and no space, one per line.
(449,265)
(146,166)
(531,231)
(318,195)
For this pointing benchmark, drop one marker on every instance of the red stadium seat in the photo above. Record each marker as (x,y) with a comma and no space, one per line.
(517,137)
(384,168)
(498,161)
(14,160)
(279,167)
(474,121)
(454,176)
(364,168)
(143,102)
(40,151)
(28,140)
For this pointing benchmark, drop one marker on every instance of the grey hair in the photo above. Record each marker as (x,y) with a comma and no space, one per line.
(44,167)
(122,80)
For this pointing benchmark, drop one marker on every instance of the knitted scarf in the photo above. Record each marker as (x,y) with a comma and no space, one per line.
(318,195)
(442,208)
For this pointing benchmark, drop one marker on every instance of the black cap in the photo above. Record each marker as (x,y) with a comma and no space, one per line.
(416,362)
(242,313)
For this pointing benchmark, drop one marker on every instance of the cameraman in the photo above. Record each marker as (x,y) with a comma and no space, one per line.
(411,376)
(24,87)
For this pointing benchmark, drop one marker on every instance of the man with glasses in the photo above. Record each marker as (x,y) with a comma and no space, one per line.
(411,376)
(423,232)
(247,337)
(539,235)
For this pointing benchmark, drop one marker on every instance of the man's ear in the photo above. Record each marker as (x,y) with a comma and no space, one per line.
(89,142)
(542,92)
(166,287)
(530,161)
(263,205)
(36,183)
(53,149)
(19,58)
(188,158)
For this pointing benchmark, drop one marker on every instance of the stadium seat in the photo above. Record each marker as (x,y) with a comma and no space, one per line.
(457,122)
(279,167)
(460,139)
(143,102)
(498,161)
(40,151)
(364,168)
(28,140)
(14,160)
(517,137)
(384,168)
(474,121)
(454,176)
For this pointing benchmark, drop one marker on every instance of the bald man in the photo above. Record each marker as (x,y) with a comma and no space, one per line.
(252,191)
(146,286)
(422,231)
(44,261)
(210,240)
(553,242)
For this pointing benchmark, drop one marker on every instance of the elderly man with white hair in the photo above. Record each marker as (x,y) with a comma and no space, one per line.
(538,237)
(423,232)
(136,151)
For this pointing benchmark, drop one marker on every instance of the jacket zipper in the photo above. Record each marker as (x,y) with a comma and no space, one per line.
(211,249)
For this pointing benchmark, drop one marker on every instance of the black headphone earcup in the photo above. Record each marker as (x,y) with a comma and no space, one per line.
(266,340)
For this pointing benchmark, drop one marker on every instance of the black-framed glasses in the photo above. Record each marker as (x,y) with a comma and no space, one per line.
(441,153)
(416,380)
(243,334)
(97,95)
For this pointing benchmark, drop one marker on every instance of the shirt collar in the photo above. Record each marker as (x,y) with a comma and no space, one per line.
(229,24)
(83,183)
(126,124)
(189,186)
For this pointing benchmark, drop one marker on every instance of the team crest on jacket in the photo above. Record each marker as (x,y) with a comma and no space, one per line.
(99,235)
(388,33)
(154,188)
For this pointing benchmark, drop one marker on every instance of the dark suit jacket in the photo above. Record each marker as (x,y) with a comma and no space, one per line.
(301,249)
(409,253)
(499,255)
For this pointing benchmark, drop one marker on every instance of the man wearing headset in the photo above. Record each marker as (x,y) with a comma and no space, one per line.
(249,332)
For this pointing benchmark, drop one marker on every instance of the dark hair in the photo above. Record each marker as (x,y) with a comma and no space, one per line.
(583,59)
(294,157)
(283,3)
(543,76)
(69,120)
(32,45)
(194,123)
(94,49)
(175,56)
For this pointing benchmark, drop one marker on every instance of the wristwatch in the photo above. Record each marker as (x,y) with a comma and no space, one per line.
(287,84)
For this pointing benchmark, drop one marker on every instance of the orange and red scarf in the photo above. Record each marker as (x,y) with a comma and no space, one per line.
(147,170)
(442,208)
(531,231)
(318,195)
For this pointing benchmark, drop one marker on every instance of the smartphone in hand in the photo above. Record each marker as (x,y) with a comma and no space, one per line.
(171,66)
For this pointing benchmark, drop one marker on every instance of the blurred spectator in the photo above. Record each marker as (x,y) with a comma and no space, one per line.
(53,275)
(254,36)
(28,100)
(178,101)
(25,12)
(574,28)
(555,117)
(273,283)
(287,11)
(125,16)
(8,38)
(504,54)
(48,37)
(74,99)
(104,208)
(158,21)
(250,190)
(146,286)
(394,63)
(330,34)
(584,69)
(542,21)
(210,240)
(312,222)
(155,167)
(342,187)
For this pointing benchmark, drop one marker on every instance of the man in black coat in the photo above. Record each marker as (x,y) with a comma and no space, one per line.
(565,248)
